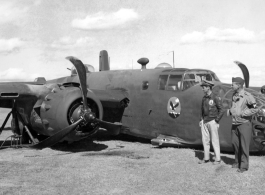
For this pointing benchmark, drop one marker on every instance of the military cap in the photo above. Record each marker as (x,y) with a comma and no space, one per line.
(207,83)
(238,80)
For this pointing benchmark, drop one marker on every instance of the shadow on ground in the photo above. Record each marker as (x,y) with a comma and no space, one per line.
(225,159)
(85,145)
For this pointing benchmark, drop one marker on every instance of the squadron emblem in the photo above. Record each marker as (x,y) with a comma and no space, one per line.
(173,107)
(211,102)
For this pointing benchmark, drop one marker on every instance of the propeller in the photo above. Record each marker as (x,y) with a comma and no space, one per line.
(245,72)
(56,137)
(86,115)
(81,72)
(113,128)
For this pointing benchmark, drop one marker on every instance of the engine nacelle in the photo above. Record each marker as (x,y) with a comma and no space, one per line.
(60,108)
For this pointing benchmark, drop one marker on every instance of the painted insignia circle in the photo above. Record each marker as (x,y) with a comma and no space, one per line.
(211,102)
(173,107)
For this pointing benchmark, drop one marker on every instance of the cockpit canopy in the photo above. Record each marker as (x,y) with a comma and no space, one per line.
(182,79)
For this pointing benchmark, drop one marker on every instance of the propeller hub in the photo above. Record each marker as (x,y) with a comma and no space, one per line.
(88,117)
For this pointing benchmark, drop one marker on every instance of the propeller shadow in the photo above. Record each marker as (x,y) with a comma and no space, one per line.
(85,145)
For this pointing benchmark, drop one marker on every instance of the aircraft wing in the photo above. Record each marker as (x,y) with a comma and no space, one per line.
(15,90)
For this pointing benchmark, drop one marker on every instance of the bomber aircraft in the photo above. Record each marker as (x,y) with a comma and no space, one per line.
(161,104)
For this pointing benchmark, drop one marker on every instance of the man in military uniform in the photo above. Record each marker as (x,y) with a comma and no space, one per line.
(212,112)
(243,107)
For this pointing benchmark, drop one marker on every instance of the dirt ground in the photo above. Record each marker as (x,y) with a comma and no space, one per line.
(122,165)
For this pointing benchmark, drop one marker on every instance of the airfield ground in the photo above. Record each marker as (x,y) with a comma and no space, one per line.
(122,165)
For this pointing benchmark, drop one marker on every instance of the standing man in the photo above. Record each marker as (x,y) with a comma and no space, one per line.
(212,112)
(243,107)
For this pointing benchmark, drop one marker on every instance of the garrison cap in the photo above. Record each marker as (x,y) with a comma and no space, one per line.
(238,80)
(207,83)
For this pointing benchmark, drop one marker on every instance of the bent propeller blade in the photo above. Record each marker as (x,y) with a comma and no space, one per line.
(81,72)
(56,137)
(245,72)
(113,128)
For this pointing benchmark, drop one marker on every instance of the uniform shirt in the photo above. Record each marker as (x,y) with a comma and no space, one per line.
(243,107)
(212,108)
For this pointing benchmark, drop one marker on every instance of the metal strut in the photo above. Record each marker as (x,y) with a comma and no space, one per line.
(26,128)
(4,123)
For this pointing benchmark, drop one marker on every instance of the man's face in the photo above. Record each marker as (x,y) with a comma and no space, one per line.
(235,86)
(205,89)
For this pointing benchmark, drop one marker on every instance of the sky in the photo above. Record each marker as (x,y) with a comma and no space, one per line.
(37,35)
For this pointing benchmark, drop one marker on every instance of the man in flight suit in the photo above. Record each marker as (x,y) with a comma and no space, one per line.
(212,112)
(243,107)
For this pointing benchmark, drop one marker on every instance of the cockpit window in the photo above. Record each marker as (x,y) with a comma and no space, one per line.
(188,84)
(191,79)
(162,81)
(169,82)
(215,77)
(174,82)
(205,76)
(189,76)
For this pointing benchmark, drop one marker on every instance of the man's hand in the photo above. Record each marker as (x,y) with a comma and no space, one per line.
(200,123)
(216,123)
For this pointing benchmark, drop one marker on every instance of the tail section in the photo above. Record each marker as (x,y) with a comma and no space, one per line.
(103,61)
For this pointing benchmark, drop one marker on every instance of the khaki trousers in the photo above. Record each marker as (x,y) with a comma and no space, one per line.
(210,133)
(241,138)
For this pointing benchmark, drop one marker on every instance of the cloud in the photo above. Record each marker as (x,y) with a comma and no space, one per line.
(212,34)
(69,43)
(37,2)
(102,20)
(261,36)
(16,74)
(10,45)
(9,12)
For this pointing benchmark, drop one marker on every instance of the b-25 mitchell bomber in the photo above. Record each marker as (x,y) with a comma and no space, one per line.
(161,104)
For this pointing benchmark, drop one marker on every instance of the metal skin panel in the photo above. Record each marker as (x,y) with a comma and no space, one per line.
(59,104)
(147,114)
